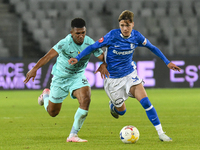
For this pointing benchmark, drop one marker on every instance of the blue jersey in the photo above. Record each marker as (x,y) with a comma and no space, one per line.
(119,53)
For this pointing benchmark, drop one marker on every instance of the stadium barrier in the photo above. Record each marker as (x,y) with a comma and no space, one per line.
(153,71)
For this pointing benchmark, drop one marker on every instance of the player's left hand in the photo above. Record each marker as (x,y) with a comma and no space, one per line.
(72,61)
(103,71)
(173,67)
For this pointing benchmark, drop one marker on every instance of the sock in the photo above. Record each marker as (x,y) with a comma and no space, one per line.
(159,129)
(73,132)
(79,118)
(46,101)
(112,107)
(120,112)
(151,113)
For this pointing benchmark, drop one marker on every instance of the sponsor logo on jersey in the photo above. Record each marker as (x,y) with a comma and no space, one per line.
(87,44)
(123,53)
(101,40)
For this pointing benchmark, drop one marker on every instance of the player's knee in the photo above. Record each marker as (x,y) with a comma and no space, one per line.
(85,102)
(53,113)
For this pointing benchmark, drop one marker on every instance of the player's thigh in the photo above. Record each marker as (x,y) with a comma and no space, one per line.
(115,89)
(58,92)
(80,89)
(83,92)
(138,91)
(56,97)
(78,83)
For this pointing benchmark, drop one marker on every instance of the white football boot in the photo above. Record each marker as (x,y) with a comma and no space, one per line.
(40,98)
(75,138)
(163,137)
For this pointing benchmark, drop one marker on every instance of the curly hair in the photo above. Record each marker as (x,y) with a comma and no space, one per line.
(78,23)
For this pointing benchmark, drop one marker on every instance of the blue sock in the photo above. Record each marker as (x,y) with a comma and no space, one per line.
(46,101)
(120,112)
(79,118)
(150,111)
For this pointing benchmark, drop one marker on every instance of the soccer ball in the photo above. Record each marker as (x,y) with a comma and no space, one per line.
(129,134)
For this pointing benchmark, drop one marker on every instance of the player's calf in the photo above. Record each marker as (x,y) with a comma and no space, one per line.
(114,112)
(53,108)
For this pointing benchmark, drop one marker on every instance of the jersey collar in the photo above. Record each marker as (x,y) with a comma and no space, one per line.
(124,36)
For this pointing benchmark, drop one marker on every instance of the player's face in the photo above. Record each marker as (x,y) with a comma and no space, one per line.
(126,27)
(78,35)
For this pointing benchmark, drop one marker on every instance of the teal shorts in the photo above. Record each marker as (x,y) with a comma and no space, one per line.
(61,87)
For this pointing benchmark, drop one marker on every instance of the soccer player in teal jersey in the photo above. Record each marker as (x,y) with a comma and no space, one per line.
(123,81)
(68,78)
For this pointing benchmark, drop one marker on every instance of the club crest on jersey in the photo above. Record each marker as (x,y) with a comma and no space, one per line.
(78,52)
(132,46)
(101,40)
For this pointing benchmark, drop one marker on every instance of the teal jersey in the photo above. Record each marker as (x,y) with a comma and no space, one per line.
(67,49)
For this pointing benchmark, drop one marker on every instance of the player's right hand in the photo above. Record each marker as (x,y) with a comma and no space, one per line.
(29,75)
(103,71)
(72,61)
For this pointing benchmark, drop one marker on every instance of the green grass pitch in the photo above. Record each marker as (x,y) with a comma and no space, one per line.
(25,125)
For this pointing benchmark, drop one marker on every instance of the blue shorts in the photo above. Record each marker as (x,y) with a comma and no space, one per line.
(60,87)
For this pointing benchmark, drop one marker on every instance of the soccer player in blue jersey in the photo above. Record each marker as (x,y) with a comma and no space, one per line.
(123,81)
(68,78)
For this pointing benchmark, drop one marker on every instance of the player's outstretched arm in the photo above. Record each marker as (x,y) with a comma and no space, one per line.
(73,61)
(45,59)
(173,67)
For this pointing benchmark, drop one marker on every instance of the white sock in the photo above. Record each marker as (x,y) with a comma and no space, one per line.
(159,129)
(72,135)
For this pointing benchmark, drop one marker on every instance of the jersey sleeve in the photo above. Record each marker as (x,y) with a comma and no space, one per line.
(59,46)
(96,52)
(141,39)
(144,42)
(98,44)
